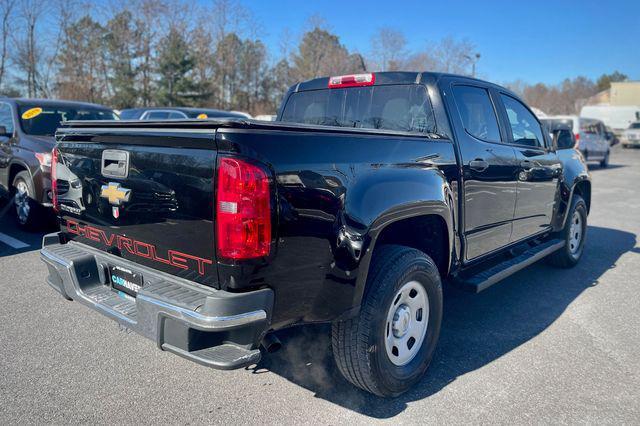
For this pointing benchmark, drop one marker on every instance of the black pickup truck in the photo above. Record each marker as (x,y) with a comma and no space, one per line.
(353,208)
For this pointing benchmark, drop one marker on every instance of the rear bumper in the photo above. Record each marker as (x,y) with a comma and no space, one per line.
(214,328)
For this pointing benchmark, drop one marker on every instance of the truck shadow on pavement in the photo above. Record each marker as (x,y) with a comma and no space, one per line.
(476,329)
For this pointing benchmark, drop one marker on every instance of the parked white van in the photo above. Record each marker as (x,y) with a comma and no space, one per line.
(590,134)
(617,117)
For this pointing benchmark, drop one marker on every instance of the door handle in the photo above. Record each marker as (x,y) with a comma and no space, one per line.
(479,165)
(526,165)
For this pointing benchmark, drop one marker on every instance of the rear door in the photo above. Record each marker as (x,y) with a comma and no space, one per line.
(589,138)
(603,142)
(489,168)
(538,169)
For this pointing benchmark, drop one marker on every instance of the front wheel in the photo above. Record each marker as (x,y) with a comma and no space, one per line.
(27,210)
(387,348)
(605,161)
(574,234)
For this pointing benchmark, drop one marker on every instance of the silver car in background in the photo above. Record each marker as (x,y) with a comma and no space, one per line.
(631,136)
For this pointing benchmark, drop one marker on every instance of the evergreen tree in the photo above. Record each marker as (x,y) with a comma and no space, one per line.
(605,80)
(320,54)
(83,71)
(176,85)
(121,41)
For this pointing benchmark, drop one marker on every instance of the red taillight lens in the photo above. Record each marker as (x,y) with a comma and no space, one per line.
(54,179)
(352,80)
(243,210)
(577,135)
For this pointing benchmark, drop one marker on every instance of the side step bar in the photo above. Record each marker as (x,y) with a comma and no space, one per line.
(485,279)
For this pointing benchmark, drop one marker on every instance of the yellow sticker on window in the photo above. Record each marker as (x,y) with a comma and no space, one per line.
(31,113)
(202,116)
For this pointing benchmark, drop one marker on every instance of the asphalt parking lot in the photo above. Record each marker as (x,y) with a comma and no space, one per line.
(544,346)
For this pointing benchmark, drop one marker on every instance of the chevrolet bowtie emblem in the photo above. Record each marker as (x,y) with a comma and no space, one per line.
(115,193)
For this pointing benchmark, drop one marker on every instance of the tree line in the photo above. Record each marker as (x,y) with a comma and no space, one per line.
(180,53)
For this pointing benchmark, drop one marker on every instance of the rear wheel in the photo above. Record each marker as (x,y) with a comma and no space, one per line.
(605,160)
(574,234)
(387,348)
(28,211)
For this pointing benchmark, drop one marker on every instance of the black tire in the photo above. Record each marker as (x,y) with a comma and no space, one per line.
(568,256)
(359,343)
(605,161)
(28,212)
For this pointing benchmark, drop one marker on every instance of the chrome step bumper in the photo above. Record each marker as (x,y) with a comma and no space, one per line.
(212,327)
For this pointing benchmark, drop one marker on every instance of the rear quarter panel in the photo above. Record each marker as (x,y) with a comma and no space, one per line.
(574,171)
(335,193)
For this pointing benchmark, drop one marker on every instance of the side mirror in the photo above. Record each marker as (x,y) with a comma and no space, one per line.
(563,139)
(3,132)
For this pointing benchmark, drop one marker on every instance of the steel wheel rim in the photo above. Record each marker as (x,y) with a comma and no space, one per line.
(575,232)
(406,323)
(21,201)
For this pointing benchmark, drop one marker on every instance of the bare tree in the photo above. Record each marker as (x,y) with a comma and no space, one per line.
(453,56)
(564,98)
(28,50)
(388,50)
(67,13)
(6,14)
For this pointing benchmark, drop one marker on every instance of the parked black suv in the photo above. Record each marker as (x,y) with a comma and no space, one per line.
(27,128)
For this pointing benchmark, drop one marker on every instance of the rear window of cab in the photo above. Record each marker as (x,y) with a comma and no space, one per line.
(405,108)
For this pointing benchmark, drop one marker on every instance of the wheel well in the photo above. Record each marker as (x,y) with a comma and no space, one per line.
(583,188)
(425,233)
(13,171)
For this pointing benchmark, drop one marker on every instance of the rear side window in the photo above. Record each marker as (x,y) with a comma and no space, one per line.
(525,129)
(593,127)
(395,107)
(477,113)
(157,115)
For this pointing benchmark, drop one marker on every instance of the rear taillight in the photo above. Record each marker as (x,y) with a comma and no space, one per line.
(54,179)
(577,135)
(243,210)
(352,80)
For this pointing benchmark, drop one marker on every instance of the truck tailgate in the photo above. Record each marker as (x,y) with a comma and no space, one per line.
(146,196)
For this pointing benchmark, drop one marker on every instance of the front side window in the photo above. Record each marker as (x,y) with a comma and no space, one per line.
(394,107)
(477,113)
(524,127)
(6,118)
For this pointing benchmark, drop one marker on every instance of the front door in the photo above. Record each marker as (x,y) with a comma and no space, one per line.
(489,169)
(538,170)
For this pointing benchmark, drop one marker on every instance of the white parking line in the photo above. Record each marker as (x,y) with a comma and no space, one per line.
(12,242)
